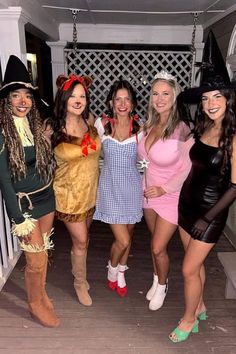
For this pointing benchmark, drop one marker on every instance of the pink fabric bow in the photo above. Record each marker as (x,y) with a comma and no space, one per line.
(72,79)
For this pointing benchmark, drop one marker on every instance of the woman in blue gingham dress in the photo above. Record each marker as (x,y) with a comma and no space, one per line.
(119,197)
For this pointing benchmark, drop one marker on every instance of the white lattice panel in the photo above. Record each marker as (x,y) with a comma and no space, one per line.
(139,67)
(9,247)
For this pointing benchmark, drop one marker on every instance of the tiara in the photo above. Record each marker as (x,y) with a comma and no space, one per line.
(164,75)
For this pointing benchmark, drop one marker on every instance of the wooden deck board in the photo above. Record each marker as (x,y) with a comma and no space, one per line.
(114,325)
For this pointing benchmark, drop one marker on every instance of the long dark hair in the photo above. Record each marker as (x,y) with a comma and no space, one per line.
(60,108)
(45,163)
(118,85)
(228,128)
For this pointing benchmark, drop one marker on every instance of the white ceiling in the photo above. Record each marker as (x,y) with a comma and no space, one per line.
(45,21)
(144,9)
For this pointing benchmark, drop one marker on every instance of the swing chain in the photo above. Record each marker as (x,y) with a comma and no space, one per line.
(193,49)
(75,32)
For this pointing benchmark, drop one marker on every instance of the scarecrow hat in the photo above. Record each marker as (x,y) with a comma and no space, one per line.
(214,75)
(16,77)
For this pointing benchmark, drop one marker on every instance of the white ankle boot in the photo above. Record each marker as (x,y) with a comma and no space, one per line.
(158,297)
(152,290)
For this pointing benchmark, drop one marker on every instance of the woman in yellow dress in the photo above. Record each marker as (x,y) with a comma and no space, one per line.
(77,147)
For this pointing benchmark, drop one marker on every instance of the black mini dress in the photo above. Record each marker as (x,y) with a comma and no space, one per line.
(202,189)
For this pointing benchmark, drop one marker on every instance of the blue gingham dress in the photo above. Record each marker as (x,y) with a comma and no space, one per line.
(119,195)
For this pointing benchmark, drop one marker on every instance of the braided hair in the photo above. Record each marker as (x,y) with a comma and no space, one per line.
(45,163)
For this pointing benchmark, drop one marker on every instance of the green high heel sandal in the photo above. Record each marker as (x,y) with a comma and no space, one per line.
(202,316)
(181,336)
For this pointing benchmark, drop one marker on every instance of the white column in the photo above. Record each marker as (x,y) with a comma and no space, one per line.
(12,29)
(231,62)
(231,55)
(58,60)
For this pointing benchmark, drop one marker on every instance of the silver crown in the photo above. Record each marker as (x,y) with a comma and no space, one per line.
(164,75)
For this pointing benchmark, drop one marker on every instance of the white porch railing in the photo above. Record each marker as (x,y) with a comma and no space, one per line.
(9,248)
(230,229)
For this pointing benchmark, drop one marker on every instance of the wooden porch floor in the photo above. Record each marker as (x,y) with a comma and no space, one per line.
(115,325)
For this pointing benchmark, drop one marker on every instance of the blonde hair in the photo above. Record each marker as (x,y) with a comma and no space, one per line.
(153,117)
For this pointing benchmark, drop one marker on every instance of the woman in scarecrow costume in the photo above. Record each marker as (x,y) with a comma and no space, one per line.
(210,187)
(27,168)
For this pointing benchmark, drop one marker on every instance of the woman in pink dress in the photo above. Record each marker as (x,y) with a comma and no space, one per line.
(164,150)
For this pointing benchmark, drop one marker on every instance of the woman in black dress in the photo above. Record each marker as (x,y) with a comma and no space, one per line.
(208,191)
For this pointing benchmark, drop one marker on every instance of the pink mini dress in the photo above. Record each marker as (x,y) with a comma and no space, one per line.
(168,167)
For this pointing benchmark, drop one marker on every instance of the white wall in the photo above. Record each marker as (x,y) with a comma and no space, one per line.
(171,35)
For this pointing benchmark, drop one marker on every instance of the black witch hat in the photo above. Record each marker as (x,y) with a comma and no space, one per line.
(16,77)
(214,75)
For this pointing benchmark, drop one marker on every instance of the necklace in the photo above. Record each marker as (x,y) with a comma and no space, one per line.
(121,132)
(121,136)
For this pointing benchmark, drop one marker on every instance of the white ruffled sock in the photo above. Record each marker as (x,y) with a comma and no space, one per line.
(121,275)
(112,272)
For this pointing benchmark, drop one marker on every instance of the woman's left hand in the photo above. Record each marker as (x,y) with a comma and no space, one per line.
(153,192)
(199,228)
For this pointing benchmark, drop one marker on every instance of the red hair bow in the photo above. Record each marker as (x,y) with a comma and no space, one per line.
(87,141)
(107,119)
(135,117)
(72,79)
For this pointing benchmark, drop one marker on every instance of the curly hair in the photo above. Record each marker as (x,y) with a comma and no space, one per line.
(228,128)
(45,163)
(60,108)
(119,85)
(174,117)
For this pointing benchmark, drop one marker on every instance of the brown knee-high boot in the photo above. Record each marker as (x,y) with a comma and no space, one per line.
(35,288)
(46,300)
(80,282)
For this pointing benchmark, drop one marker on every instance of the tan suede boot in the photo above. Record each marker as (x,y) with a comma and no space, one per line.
(46,300)
(80,282)
(35,290)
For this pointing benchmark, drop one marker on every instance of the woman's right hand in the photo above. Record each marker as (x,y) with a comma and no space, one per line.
(153,192)
(48,131)
(26,239)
